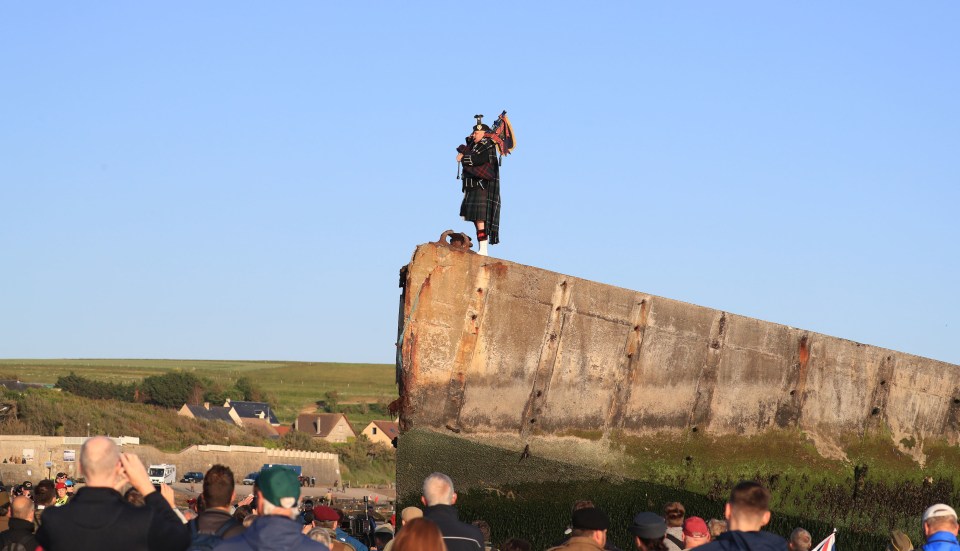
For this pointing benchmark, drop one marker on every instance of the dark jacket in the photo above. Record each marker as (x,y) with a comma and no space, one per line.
(458,536)
(735,540)
(272,533)
(20,531)
(609,546)
(938,541)
(209,521)
(99,518)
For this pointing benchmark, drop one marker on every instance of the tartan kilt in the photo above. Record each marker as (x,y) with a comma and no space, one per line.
(483,204)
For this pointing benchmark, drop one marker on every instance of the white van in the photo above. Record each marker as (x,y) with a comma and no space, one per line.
(162,474)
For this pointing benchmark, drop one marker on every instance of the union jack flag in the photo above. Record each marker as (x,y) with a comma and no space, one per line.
(829,543)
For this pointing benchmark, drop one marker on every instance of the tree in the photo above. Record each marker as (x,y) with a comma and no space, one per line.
(331,401)
(171,390)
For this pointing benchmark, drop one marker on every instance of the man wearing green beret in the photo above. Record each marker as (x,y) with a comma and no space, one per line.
(276,527)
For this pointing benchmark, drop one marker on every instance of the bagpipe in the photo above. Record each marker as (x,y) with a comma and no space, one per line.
(502,134)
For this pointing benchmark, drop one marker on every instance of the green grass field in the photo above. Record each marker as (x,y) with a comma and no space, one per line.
(295,385)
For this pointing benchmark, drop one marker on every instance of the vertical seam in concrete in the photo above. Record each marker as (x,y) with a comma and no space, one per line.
(709,373)
(546,363)
(629,366)
(466,349)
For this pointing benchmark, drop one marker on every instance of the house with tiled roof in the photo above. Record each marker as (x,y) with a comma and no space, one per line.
(211,413)
(382,432)
(253,410)
(332,427)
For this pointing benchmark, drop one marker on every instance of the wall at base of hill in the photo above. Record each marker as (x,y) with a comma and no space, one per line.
(241,459)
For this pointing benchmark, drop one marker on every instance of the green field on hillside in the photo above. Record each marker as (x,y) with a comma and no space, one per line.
(293,386)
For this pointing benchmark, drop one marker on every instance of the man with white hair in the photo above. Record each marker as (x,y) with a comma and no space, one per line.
(98,517)
(439,498)
(277,525)
(940,527)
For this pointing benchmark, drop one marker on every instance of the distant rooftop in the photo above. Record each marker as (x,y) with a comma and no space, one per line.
(253,410)
(215,413)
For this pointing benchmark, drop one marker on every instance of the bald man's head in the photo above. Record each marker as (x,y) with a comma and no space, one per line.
(99,458)
(22,508)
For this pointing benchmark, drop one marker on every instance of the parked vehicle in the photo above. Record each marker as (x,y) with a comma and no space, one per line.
(251,478)
(192,476)
(297,469)
(162,474)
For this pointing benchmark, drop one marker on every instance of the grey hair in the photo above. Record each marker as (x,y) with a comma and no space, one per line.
(270,508)
(322,535)
(438,490)
(800,537)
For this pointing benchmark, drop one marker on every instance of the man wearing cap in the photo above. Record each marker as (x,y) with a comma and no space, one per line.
(439,497)
(382,536)
(277,490)
(62,497)
(99,518)
(695,532)
(940,528)
(589,531)
(21,525)
(329,518)
(649,530)
(406,515)
(481,185)
(747,511)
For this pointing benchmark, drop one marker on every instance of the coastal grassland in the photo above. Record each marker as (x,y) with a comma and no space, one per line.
(290,386)
(49,412)
(52,413)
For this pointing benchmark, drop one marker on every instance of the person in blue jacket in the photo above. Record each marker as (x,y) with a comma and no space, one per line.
(940,528)
(278,526)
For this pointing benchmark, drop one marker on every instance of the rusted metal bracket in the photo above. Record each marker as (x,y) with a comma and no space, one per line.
(457,240)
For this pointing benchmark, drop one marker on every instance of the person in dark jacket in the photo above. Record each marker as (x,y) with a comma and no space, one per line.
(747,511)
(589,532)
(98,517)
(277,526)
(439,497)
(940,528)
(21,526)
(219,491)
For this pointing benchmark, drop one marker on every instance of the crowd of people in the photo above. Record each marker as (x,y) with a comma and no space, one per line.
(51,517)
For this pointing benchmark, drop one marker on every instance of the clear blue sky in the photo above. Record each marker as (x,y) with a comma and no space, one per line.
(243,180)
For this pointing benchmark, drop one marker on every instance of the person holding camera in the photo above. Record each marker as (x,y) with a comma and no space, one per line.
(98,517)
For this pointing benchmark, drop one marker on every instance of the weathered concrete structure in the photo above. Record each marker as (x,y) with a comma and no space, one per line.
(505,354)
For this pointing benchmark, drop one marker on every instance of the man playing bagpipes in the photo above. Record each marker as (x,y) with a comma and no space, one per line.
(481,177)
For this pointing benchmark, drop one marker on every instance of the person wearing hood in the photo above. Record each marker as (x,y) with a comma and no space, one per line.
(277,526)
(747,511)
